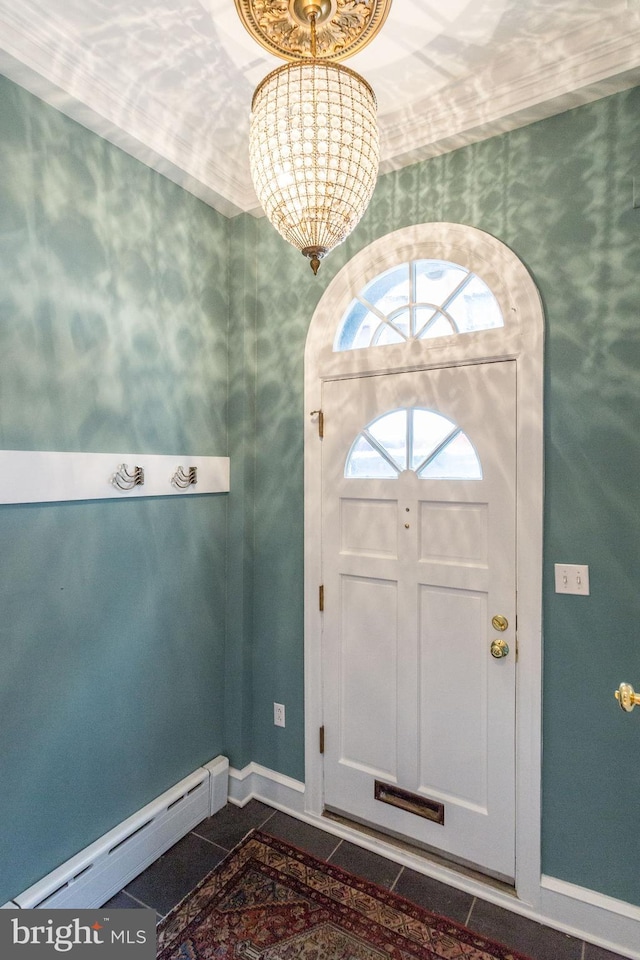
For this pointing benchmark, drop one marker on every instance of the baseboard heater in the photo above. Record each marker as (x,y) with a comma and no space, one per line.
(99,871)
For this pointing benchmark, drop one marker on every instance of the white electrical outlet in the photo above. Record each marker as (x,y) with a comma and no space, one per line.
(278,714)
(572,578)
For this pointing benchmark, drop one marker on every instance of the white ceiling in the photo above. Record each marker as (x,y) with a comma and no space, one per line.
(170,81)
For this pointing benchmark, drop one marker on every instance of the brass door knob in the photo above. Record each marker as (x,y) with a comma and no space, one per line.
(627,697)
(499,649)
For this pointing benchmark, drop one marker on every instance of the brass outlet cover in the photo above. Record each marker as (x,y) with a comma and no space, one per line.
(343,27)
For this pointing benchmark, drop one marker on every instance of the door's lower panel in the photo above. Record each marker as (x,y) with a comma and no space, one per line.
(432,854)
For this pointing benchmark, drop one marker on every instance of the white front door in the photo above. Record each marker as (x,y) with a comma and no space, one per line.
(418,548)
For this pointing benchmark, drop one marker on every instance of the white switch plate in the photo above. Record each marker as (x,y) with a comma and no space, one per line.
(278,714)
(572,578)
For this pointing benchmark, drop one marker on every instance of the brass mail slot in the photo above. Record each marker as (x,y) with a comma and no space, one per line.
(411,802)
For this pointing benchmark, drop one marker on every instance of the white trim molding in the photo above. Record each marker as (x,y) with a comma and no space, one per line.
(521,339)
(530,82)
(609,923)
(255,782)
(535,77)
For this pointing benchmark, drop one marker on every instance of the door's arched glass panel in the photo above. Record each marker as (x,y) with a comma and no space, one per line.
(430,431)
(419,300)
(390,433)
(456,460)
(413,438)
(367,462)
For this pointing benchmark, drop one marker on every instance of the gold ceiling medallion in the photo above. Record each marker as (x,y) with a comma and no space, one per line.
(343,27)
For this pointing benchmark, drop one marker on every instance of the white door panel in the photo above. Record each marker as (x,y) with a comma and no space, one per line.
(414,569)
(368,697)
(453,688)
(368,528)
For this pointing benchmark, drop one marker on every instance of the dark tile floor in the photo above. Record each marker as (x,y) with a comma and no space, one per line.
(176,873)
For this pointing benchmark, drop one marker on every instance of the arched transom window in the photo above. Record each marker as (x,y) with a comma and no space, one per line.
(413,438)
(419,300)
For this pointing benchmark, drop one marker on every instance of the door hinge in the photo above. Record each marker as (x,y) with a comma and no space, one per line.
(322,739)
(321,597)
(320,415)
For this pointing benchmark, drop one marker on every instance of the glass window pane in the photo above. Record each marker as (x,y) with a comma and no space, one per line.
(395,331)
(365,462)
(402,320)
(396,297)
(456,461)
(387,334)
(421,317)
(436,280)
(441,327)
(391,433)
(429,430)
(356,327)
(475,308)
(390,290)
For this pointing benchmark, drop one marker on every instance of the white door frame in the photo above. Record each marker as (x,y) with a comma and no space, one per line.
(522,340)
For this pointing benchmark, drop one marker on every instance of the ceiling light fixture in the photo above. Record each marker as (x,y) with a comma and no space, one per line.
(313,141)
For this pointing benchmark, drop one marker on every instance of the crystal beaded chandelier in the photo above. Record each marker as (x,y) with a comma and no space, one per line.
(313,142)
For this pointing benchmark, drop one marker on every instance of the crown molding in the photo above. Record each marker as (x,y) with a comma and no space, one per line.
(54,67)
(531,83)
(229,198)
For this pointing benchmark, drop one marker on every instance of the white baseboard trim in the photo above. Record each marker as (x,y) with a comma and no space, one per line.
(611,924)
(95,874)
(586,914)
(103,868)
(255,782)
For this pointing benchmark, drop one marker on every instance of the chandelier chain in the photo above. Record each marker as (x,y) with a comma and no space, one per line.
(314,17)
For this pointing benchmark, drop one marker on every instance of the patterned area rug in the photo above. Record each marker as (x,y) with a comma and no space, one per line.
(269,901)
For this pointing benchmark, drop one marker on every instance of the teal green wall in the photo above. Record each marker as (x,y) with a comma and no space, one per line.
(134,317)
(559,193)
(113,337)
(242,417)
